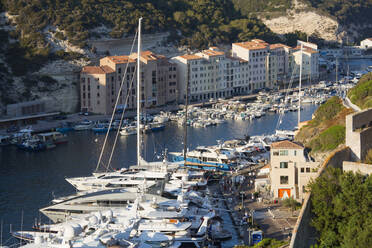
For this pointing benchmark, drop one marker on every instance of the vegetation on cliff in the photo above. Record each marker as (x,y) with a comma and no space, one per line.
(361,94)
(196,23)
(266,243)
(346,11)
(327,129)
(341,204)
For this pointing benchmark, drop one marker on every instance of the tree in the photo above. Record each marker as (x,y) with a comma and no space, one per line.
(341,203)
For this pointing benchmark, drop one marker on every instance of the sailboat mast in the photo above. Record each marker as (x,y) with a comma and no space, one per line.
(185,120)
(138,94)
(299,92)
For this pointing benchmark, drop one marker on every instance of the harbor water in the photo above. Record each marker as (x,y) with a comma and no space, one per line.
(29,181)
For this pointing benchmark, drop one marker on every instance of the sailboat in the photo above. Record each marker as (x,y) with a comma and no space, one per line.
(103,180)
(291,133)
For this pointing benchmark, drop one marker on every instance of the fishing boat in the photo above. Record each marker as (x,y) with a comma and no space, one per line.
(84,125)
(32,144)
(53,137)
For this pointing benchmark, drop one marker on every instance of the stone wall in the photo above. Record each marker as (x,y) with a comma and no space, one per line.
(359,133)
(303,234)
(364,169)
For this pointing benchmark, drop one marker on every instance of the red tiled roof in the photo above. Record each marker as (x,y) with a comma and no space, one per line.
(253,45)
(97,69)
(190,56)
(286,144)
(213,52)
(122,59)
(278,45)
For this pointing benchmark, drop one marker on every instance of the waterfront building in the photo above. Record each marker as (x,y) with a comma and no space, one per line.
(100,85)
(310,63)
(204,71)
(291,170)
(366,43)
(255,52)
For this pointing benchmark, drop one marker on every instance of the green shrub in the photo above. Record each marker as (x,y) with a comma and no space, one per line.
(361,94)
(327,111)
(328,139)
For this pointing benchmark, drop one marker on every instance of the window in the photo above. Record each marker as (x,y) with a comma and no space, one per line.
(295,152)
(283,179)
(119,70)
(284,165)
(97,87)
(308,170)
(283,152)
(302,170)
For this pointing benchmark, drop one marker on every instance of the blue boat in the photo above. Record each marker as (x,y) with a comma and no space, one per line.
(32,145)
(100,128)
(207,159)
(154,127)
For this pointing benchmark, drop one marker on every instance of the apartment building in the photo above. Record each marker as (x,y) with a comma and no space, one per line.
(100,85)
(255,52)
(205,74)
(290,170)
(310,63)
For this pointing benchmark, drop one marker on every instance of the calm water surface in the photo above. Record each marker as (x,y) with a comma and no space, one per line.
(28,181)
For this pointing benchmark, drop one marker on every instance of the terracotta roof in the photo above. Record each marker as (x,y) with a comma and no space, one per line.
(213,52)
(265,167)
(369,39)
(97,69)
(190,56)
(278,45)
(286,144)
(123,59)
(147,55)
(305,49)
(253,45)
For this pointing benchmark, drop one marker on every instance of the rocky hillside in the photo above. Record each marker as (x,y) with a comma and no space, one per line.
(331,20)
(326,130)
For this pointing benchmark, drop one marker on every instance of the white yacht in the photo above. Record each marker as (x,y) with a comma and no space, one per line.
(84,125)
(107,180)
(100,201)
(129,130)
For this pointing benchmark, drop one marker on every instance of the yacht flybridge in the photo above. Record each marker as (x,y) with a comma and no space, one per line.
(125,177)
(208,158)
(98,201)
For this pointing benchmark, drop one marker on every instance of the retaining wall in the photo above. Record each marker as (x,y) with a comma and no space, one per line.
(303,234)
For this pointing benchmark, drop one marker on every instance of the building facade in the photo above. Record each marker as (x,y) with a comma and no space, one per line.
(116,78)
(291,170)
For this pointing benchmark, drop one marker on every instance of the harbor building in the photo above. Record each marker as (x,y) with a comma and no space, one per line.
(255,52)
(100,85)
(205,72)
(310,64)
(290,170)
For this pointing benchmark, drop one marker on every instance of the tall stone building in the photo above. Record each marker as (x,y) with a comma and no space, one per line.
(100,85)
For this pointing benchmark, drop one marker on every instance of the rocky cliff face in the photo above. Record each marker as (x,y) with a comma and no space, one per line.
(302,17)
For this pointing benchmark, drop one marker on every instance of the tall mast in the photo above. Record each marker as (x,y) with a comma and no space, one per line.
(299,91)
(185,120)
(138,94)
